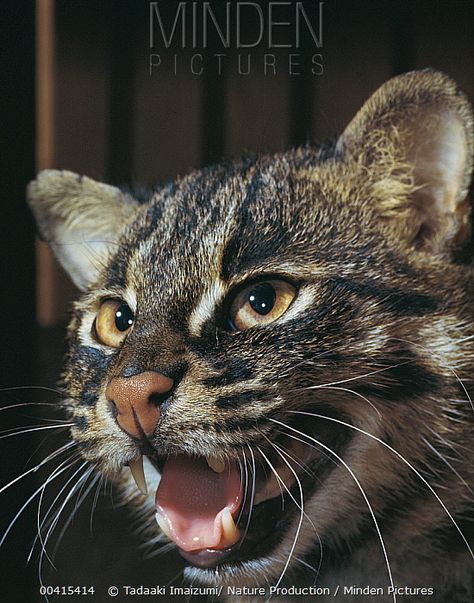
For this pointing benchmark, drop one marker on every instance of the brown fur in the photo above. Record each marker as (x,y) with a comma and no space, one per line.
(380,336)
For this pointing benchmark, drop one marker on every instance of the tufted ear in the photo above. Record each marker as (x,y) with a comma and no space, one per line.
(80,219)
(417,131)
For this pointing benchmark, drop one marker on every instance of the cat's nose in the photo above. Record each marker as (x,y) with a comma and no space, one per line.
(137,400)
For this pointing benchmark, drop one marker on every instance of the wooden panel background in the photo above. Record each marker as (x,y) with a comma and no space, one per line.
(116,122)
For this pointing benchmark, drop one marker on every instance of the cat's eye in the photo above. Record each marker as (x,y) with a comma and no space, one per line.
(260,304)
(113,321)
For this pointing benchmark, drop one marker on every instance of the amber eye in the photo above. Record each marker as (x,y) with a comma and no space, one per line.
(260,304)
(113,322)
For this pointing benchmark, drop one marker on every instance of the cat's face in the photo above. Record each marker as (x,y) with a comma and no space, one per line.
(254,330)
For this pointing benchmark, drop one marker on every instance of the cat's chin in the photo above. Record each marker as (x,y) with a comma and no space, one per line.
(208,558)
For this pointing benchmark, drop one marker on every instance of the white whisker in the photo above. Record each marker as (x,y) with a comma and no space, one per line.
(23,387)
(94,503)
(25,505)
(363,376)
(252,495)
(23,404)
(354,477)
(58,515)
(162,550)
(448,367)
(48,512)
(301,508)
(94,481)
(402,458)
(244,470)
(50,457)
(351,391)
(42,428)
(448,464)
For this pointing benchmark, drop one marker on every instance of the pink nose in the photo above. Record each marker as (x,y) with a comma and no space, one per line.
(135,399)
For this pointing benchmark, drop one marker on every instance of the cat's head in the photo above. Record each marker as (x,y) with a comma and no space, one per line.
(276,319)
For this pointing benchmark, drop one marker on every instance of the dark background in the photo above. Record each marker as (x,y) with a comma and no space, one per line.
(115,122)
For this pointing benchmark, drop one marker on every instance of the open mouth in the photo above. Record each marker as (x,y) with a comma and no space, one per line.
(219,511)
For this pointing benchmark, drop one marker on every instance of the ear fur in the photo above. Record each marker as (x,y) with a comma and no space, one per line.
(80,219)
(415,136)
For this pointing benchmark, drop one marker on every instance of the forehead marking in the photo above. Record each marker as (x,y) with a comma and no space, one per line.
(205,307)
(143,250)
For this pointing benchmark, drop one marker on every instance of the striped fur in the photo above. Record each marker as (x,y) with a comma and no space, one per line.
(373,232)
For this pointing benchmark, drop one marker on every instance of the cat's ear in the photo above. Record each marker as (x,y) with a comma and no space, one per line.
(414,139)
(80,219)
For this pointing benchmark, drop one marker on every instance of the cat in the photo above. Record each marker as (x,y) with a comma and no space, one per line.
(281,350)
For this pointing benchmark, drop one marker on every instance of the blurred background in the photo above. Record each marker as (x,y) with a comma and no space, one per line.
(77,93)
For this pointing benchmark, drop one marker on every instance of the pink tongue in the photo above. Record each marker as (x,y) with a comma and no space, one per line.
(191,498)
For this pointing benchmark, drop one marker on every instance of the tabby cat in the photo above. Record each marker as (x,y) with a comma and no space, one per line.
(281,351)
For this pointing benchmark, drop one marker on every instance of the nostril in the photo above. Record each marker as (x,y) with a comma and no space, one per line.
(159,399)
(113,408)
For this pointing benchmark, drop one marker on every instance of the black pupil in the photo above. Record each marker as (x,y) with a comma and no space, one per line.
(262,298)
(123,317)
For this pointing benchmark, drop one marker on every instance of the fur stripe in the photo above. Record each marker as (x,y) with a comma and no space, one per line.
(401,303)
(236,370)
(237,400)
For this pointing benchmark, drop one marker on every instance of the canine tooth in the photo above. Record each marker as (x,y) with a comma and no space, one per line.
(229,530)
(215,464)
(138,474)
(161,521)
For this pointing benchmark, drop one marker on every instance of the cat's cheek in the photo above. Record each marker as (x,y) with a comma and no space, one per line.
(189,423)
(101,441)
